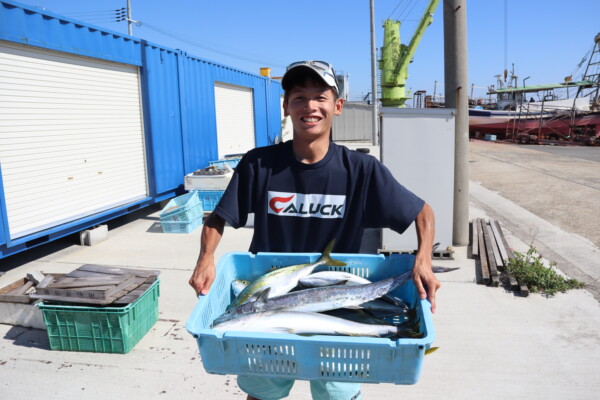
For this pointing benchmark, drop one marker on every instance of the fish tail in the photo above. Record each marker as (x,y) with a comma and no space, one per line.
(439,270)
(326,257)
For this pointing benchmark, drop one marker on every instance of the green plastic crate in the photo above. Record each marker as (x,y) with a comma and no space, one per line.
(101,329)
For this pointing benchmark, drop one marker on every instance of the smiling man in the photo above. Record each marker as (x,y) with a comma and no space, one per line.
(308,191)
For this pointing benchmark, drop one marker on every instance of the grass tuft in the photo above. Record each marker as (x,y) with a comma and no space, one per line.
(528,269)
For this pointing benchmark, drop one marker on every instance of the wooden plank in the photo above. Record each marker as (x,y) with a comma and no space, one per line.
(134,294)
(497,256)
(8,294)
(118,271)
(92,294)
(509,252)
(68,282)
(489,249)
(502,250)
(21,289)
(475,239)
(79,296)
(483,264)
(36,277)
(9,288)
(48,279)
(512,283)
(65,299)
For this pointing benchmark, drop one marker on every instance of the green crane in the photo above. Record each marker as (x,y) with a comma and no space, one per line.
(396,56)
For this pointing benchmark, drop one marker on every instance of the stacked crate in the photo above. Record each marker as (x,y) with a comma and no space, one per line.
(182,214)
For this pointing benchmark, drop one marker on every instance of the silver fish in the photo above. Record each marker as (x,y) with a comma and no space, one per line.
(303,323)
(329,278)
(317,299)
(321,298)
(282,280)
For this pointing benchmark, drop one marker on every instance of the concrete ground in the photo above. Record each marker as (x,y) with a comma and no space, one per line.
(493,344)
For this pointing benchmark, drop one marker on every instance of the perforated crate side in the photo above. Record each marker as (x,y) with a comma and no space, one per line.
(179,205)
(101,329)
(210,198)
(340,358)
(181,226)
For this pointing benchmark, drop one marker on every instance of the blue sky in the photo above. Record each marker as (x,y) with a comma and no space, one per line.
(545,39)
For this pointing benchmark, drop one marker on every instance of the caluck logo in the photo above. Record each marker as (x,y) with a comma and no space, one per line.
(306,205)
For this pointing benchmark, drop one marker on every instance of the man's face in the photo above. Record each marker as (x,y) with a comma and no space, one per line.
(311,108)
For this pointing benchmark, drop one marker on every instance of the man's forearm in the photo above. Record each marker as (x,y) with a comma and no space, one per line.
(425,226)
(212,231)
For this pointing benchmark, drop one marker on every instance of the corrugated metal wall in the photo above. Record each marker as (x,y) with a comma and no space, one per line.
(178,104)
(355,123)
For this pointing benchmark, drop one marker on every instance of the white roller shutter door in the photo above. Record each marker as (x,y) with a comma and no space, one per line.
(71,136)
(235,119)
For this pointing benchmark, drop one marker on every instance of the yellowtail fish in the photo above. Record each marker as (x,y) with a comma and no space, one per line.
(282,280)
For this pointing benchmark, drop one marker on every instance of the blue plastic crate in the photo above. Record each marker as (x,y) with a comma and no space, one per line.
(318,357)
(210,198)
(185,208)
(232,162)
(182,226)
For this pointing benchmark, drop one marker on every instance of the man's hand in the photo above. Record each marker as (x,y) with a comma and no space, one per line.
(205,271)
(425,280)
(203,275)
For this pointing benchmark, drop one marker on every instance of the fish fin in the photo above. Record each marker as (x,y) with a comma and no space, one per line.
(263,296)
(327,260)
(438,270)
(341,283)
(431,350)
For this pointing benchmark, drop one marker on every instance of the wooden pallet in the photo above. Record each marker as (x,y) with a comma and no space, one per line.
(435,255)
(489,245)
(96,284)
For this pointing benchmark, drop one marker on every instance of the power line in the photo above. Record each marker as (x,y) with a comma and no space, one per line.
(409,10)
(392,13)
(197,43)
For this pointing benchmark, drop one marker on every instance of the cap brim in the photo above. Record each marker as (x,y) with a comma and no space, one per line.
(328,79)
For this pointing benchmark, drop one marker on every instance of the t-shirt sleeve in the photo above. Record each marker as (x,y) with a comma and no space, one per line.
(236,202)
(389,204)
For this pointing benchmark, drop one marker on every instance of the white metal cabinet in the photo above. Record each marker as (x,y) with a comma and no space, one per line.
(417,145)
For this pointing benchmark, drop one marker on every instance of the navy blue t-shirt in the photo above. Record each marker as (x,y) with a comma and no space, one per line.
(300,207)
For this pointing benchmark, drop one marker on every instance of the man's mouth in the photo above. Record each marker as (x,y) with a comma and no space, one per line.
(310,120)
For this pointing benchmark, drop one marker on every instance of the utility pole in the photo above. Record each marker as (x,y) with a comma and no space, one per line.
(374,75)
(456,77)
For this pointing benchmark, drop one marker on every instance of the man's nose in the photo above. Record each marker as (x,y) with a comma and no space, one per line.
(310,104)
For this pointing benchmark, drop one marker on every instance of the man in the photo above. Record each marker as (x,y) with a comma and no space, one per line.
(307,191)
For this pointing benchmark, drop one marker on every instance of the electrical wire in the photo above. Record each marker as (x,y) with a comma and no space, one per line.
(198,44)
(409,10)
(395,8)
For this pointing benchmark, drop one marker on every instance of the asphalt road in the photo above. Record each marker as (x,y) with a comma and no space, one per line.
(583,152)
(559,184)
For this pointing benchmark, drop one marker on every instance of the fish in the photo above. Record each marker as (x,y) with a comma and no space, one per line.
(303,323)
(237,285)
(320,298)
(282,280)
(317,299)
(330,278)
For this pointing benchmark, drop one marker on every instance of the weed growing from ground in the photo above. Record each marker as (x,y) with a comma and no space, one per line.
(528,269)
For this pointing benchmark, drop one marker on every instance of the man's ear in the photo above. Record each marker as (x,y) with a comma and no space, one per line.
(285,109)
(339,106)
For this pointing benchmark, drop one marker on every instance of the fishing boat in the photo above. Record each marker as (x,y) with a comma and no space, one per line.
(568,111)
